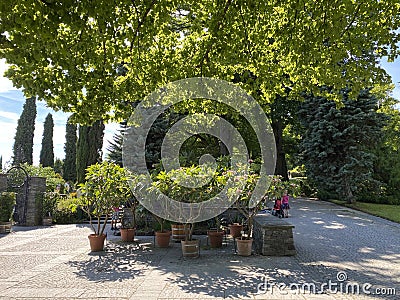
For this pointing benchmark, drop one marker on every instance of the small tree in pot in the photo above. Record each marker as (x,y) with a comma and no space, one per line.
(106,186)
(186,184)
(128,223)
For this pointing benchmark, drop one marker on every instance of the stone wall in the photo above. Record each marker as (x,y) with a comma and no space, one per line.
(273,236)
(37,188)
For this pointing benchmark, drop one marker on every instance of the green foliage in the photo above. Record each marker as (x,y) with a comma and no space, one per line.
(89,145)
(47,152)
(338,143)
(106,185)
(115,146)
(58,166)
(23,143)
(50,200)
(52,178)
(67,211)
(7,201)
(69,168)
(95,58)
(174,184)
(387,165)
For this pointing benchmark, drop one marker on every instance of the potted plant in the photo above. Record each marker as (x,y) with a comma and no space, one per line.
(49,204)
(235,229)
(128,222)
(276,188)
(106,187)
(163,236)
(7,201)
(174,183)
(216,235)
(244,242)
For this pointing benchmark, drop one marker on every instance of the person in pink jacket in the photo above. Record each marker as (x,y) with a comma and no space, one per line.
(285,204)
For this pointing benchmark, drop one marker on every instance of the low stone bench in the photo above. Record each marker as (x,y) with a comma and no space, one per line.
(273,236)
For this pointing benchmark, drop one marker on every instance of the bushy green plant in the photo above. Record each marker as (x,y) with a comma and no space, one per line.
(7,201)
(67,210)
(49,205)
(174,184)
(106,186)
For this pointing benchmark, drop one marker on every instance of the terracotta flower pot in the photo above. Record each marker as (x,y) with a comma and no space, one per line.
(190,248)
(163,238)
(127,234)
(215,238)
(96,242)
(235,230)
(244,247)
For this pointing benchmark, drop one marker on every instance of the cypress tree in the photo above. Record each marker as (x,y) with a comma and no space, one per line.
(1,163)
(58,166)
(69,168)
(89,145)
(23,142)
(47,152)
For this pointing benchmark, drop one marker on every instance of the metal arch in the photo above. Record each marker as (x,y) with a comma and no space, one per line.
(21,208)
(18,168)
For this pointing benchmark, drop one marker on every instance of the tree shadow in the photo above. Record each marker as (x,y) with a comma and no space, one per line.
(119,261)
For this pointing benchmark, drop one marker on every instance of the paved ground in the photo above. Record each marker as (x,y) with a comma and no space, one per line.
(55,263)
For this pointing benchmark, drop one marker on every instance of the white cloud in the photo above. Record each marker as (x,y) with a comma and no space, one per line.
(5,83)
(9,115)
(7,140)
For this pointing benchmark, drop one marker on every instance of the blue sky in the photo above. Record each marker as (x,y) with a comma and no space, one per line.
(11,103)
(12,100)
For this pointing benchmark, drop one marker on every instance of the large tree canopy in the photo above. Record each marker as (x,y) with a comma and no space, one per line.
(93,58)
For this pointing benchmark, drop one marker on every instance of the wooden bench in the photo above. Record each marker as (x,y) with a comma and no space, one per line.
(273,236)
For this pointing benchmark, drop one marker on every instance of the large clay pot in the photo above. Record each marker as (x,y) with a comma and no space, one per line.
(163,238)
(190,248)
(244,247)
(96,242)
(215,238)
(235,230)
(127,234)
(178,232)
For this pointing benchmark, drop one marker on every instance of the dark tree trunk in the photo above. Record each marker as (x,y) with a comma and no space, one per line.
(281,166)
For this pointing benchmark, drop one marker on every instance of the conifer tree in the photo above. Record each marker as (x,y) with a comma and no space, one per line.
(69,167)
(338,143)
(89,145)
(23,142)
(47,152)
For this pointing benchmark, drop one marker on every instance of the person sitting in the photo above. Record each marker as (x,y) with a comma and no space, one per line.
(277,210)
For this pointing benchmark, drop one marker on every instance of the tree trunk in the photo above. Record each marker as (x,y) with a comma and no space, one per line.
(350,199)
(281,166)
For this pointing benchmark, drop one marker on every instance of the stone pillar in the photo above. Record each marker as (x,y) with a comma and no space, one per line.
(3,182)
(273,236)
(37,188)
